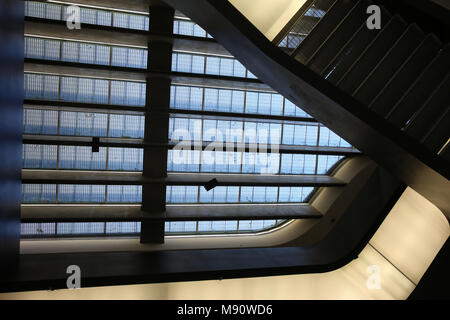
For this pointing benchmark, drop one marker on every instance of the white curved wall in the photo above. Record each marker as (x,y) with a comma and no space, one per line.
(401,249)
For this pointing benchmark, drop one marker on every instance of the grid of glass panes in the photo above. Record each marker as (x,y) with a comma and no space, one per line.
(227,226)
(229,100)
(85,52)
(111,18)
(82,89)
(264,137)
(83,229)
(82,123)
(216,160)
(72,193)
(248,131)
(37,156)
(249,163)
(257,194)
(50,121)
(208,64)
(42,122)
(210,130)
(132,57)
(224,100)
(187,27)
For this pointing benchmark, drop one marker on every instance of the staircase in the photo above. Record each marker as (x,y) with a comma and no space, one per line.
(385,91)
(398,72)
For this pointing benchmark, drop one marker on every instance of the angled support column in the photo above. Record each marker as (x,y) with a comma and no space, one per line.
(156,123)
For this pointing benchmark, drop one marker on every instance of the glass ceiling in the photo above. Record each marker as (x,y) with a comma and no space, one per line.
(58,121)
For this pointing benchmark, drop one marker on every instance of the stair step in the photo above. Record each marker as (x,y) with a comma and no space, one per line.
(372,54)
(323,5)
(343,60)
(351,51)
(419,91)
(439,134)
(391,62)
(322,29)
(401,80)
(433,109)
(340,35)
